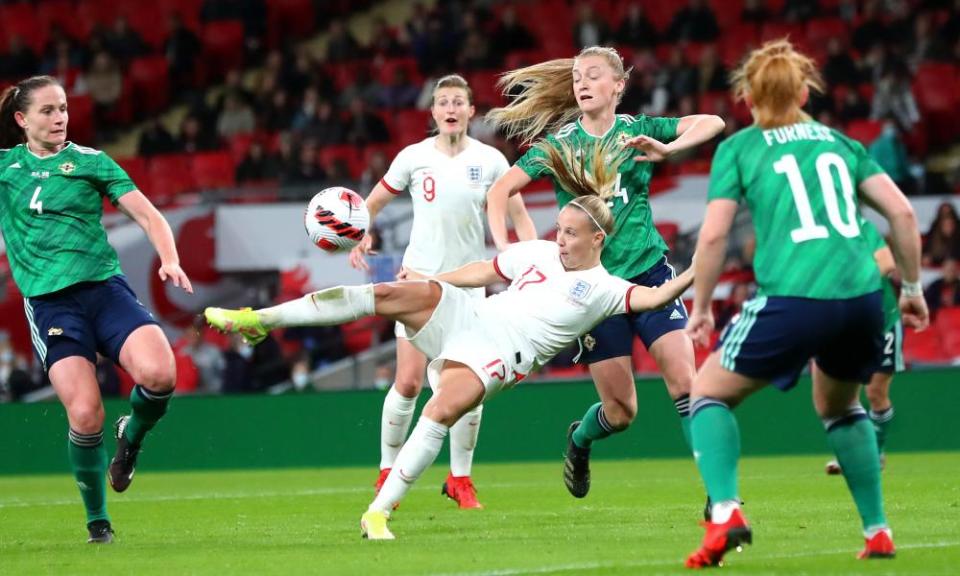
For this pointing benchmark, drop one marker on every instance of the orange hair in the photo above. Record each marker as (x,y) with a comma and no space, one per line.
(774,77)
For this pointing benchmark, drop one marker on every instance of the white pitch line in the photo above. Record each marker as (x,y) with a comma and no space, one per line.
(676,562)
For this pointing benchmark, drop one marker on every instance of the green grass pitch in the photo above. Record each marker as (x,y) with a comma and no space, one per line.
(640,517)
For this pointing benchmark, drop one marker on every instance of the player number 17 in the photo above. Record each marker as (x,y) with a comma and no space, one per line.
(36,204)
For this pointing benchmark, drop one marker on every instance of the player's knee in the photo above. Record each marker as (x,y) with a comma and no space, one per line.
(442,413)
(620,414)
(86,416)
(408,385)
(155,375)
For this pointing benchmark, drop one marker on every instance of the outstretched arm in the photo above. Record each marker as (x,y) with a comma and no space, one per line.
(140,210)
(646,298)
(473,275)
(691,131)
(498,197)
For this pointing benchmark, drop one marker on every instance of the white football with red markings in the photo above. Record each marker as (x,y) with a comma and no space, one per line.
(336,219)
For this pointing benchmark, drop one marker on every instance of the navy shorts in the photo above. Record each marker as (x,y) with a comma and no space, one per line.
(774,337)
(892,355)
(613,337)
(84,319)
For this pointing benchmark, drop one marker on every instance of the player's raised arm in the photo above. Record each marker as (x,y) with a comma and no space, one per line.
(498,200)
(140,210)
(378,198)
(522,222)
(472,275)
(646,298)
(691,131)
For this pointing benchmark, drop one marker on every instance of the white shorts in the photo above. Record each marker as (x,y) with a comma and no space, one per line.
(455,331)
(400,331)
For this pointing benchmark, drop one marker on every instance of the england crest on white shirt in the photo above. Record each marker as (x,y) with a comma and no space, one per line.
(474,174)
(579,290)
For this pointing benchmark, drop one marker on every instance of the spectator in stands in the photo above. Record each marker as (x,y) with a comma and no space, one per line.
(155,139)
(365,127)
(338,171)
(364,87)
(105,86)
(754,12)
(384,41)
(257,165)
(237,367)
(943,238)
(800,10)
(235,118)
(475,53)
(325,128)
(944,292)
(644,95)
(64,65)
(872,29)
(712,75)
(401,92)
(276,113)
(375,169)
(853,107)
(589,29)
(433,44)
(678,76)
(636,30)
(19,60)
(306,169)
(840,69)
(123,42)
(890,153)
(181,49)
(59,42)
(322,344)
(341,45)
(510,34)
(893,98)
(194,138)
(207,358)
(15,378)
(694,23)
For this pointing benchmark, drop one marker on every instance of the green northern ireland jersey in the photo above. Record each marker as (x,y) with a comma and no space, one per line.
(635,245)
(50,210)
(800,183)
(891,307)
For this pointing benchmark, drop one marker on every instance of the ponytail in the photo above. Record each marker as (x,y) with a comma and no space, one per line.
(17,99)
(774,77)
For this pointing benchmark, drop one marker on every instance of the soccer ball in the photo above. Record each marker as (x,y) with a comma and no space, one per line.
(336,219)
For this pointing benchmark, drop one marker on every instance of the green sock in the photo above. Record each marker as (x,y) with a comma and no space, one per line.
(854,442)
(148,407)
(88,458)
(716,448)
(592,427)
(881,425)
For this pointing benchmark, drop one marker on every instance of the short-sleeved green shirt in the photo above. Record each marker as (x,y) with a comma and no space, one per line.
(50,211)
(891,307)
(635,245)
(800,183)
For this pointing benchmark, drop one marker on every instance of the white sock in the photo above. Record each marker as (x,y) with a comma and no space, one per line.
(463,439)
(337,305)
(872,531)
(420,451)
(721,511)
(394,424)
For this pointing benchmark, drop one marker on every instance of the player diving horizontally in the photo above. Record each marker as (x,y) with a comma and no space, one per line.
(558,290)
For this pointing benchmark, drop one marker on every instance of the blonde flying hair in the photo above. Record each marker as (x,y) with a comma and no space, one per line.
(544,99)
(774,76)
(590,189)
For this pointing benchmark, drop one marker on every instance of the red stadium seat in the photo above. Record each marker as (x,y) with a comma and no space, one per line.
(643,362)
(212,170)
(136,169)
(223,46)
(80,129)
(669,232)
(737,41)
(947,325)
(485,91)
(866,131)
(923,347)
(727,12)
(386,68)
(289,19)
(58,13)
(22,19)
(150,84)
(411,126)
(95,13)
(777,30)
(170,175)
(149,20)
(821,30)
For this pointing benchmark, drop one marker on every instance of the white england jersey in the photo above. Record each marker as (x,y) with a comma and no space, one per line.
(449,195)
(546,307)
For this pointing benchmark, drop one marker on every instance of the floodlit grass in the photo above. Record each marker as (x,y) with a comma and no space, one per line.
(640,517)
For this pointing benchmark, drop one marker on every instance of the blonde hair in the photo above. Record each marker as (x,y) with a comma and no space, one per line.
(774,76)
(452,81)
(568,166)
(544,98)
